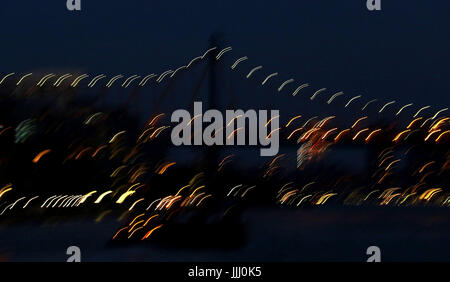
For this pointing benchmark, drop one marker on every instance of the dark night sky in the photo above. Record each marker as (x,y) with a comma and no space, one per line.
(401,51)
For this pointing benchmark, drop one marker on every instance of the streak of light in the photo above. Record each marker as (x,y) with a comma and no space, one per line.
(100,198)
(48,200)
(95,79)
(385,159)
(270,120)
(196,189)
(194,60)
(132,186)
(238,61)
(416,130)
(412,122)
(428,194)
(61,79)
(284,84)
(115,136)
(401,109)
(407,196)
(98,150)
(61,198)
(268,77)
(120,230)
(149,206)
(84,198)
(334,97)
(440,122)
(181,189)
(370,193)
(224,50)
(420,110)
(308,133)
(233,132)
(304,125)
(134,225)
(29,201)
(272,132)
(192,119)
(442,134)
(253,70)
(371,134)
(151,231)
(400,135)
(151,217)
(102,215)
(292,119)
(146,78)
(124,196)
(425,166)
(234,118)
(391,163)
(324,198)
(158,131)
(288,195)
(322,123)
(368,103)
(307,185)
(301,200)
(340,134)
(117,170)
(352,99)
(1,132)
(299,88)
(317,93)
(165,167)
(232,189)
(431,133)
(385,105)
(207,51)
(359,132)
(40,155)
(78,79)
(177,70)
(358,120)
(207,196)
(164,74)
(128,79)
(6,76)
(45,78)
(328,132)
(18,200)
(23,77)
(294,131)
(113,79)
(438,112)
(4,192)
(427,120)
(246,190)
(131,80)
(226,158)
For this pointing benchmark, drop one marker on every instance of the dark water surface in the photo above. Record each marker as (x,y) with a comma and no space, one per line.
(325,234)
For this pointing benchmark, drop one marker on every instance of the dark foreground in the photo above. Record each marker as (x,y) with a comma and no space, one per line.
(324,234)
